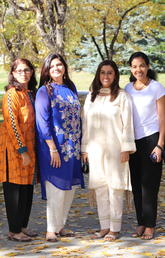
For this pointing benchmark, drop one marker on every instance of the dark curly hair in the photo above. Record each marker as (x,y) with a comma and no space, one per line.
(12,81)
(151,74)
(96,84)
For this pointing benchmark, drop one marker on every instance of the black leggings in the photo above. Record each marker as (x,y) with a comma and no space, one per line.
(145,179)
(18,201)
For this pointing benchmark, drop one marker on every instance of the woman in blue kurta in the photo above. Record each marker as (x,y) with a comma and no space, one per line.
(58,130)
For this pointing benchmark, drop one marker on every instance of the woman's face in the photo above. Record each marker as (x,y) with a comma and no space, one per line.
(56,70)
(107,76)
(139,68)
(22,74)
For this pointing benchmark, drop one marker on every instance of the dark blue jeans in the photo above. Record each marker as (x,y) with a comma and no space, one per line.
(145,179)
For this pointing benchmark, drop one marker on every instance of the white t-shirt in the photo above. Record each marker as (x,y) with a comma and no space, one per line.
(145,116)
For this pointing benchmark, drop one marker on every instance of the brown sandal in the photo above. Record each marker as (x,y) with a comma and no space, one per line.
(139,232)
(66,233)
(29,232)
(20,237)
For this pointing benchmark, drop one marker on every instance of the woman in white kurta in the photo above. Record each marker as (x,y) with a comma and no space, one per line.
(106,143)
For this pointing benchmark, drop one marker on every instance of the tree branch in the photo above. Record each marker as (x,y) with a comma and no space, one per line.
(41,22)
(61,8)
(51,16)
(14,4)
(104,38)
(97,46)
(50,22)
(111,48)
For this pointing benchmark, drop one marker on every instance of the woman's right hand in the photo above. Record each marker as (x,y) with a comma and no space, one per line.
(25,159)
(55,159)
(84,156)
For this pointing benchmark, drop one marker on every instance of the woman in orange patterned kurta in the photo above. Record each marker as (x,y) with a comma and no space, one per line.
(17,150)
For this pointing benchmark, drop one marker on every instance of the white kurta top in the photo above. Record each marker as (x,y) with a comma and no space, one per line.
(108,131)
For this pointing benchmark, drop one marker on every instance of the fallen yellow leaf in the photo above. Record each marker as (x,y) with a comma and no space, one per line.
(89,212)
(147,254)
(13,254)
(161,252)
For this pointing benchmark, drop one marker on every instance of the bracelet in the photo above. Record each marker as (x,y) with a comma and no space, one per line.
(53,150)
(159,147)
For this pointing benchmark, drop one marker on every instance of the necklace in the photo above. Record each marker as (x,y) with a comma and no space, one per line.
(140,86)
(104,92)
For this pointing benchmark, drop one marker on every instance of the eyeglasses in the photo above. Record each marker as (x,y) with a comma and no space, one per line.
(23,71)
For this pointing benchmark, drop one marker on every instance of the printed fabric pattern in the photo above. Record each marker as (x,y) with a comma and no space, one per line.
(70,125)
(58,118)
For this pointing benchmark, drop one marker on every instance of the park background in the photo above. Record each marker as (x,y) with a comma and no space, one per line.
(85,32)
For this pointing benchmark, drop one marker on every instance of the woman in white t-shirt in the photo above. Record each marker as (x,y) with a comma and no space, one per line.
(148,101)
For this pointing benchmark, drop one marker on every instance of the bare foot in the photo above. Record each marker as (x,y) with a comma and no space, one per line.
(51,237)
(148,234)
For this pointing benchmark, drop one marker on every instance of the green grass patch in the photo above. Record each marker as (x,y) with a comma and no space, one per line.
(3,78)
(82,81)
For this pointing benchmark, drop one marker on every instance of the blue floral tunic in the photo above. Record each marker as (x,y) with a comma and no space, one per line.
(58,117)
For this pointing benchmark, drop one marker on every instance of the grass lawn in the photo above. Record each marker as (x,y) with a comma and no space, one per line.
(82,81)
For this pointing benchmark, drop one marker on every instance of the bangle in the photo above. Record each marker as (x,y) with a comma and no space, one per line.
(159,147)
(53,150)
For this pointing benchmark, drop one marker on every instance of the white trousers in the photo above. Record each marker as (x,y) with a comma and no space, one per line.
(58,206)
(110,207)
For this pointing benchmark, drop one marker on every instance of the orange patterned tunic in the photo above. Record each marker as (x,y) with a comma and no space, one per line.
(17,134)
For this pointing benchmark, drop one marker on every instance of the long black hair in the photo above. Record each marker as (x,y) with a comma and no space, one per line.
(96,84)
(13,83)
(45,78)
(151,74)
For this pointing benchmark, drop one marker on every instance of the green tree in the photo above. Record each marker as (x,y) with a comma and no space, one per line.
(113,29)
(85,31)
(39,20)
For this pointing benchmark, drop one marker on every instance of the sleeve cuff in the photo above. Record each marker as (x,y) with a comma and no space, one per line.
(84,148)
(128,146)
(22,150)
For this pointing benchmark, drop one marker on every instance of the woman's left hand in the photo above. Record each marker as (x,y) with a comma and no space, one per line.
(55,159)
(124,156)
(158,154)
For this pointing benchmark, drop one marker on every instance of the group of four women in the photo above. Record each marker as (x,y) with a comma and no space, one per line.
(111,117)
